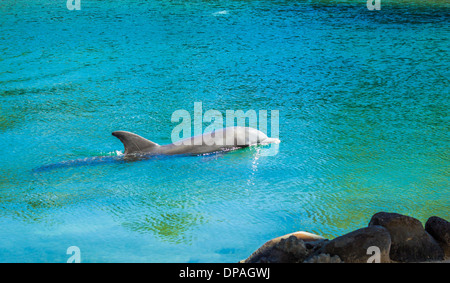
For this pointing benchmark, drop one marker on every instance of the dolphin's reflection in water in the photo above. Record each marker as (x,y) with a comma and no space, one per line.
(89,161)
(102,160)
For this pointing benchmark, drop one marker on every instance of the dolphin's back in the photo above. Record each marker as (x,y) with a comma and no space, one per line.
(219,140)
(135,144)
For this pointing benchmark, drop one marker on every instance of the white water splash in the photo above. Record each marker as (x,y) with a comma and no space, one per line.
(114,153)
(220,13)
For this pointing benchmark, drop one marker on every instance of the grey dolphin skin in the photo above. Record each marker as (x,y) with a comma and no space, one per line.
(219,140)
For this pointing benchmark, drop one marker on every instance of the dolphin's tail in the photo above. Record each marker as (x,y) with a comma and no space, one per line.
(133,143)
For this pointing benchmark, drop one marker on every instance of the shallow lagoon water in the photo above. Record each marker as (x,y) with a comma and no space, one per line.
(363,98)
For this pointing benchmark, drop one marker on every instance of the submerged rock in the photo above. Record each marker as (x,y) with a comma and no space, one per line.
(410,242)
(290,248)
(439,229)
(354,246)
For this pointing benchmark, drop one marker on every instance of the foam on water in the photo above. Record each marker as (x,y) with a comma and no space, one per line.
(219,13)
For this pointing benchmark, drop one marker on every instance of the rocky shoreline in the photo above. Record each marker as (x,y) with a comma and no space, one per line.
(388,238)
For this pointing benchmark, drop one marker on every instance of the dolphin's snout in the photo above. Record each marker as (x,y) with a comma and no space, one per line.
(271,140)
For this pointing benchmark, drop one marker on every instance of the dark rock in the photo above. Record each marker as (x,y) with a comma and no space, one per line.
(290,248)
(323,258)
(439,229)
(410,242)
(353,247)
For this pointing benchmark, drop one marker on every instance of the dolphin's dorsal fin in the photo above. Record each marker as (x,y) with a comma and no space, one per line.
(133,143)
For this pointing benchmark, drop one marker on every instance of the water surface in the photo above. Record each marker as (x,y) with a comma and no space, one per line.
(363,98)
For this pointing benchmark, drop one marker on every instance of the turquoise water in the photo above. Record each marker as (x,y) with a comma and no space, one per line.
(363,98)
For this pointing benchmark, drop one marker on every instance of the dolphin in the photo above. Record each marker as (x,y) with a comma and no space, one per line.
(138,148)
(225,139)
